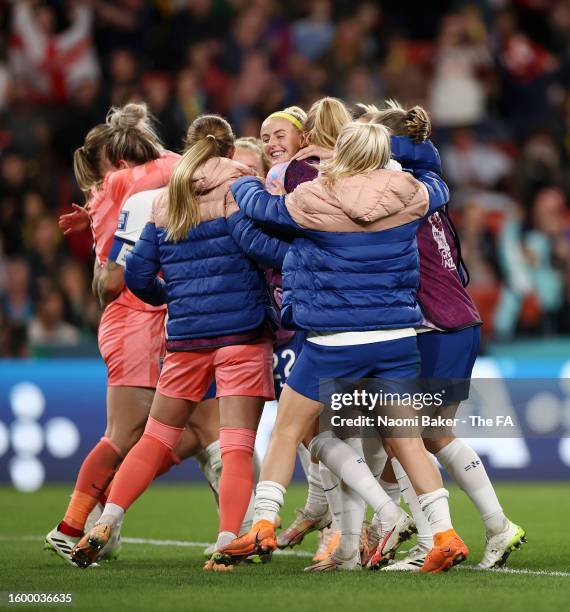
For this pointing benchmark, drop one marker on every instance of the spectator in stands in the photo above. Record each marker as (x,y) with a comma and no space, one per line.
(472,165)
(312,36)
(48,329)
(457,92)
(51,63)
(16,299)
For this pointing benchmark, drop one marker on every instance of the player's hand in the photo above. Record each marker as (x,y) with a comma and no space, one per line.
(276,187)
(74,221)
(313,151)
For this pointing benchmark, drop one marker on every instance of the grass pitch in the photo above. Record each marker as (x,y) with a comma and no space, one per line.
(170,577)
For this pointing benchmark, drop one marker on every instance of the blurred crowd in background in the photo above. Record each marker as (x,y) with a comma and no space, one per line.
(494,75)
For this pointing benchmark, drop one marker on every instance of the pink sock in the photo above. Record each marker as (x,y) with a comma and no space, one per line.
(141,465)
(236,483)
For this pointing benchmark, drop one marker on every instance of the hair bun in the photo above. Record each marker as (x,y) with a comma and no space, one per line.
(130,116)
(418,124)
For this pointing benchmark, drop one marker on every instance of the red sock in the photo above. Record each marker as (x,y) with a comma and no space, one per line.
(236,483)
(142,463)
(95,474)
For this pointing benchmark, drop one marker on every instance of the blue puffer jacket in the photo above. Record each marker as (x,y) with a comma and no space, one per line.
(415,156)
(211,286)
(353,264)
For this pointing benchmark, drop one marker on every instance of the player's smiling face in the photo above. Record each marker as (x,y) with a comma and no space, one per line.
(281,139)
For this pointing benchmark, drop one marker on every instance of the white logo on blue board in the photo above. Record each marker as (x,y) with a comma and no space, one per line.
(59,436)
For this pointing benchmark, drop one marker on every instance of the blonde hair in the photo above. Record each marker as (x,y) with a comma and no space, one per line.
(294,114)
(360,148)
(250,143)
(414,123)
(364,113)
(87,159)
(208,136)
(325,120)
(132,137)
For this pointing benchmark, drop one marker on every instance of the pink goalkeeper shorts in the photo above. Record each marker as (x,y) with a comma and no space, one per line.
(132,344)
(241,369)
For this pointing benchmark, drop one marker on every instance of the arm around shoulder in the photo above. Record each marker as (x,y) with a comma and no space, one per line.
(143,265)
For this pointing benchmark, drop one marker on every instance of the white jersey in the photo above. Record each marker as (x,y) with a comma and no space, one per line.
(134,215)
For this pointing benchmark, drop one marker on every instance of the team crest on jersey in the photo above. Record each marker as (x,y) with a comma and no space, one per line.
(122,225)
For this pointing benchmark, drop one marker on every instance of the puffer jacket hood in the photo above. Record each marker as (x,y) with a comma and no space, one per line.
(217,171)
(376,195)
(374,201)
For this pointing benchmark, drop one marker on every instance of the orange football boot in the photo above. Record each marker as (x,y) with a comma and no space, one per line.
(86,551)
(448,550)
(260,539)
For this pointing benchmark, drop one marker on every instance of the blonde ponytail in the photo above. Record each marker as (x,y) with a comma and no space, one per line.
(325,120)
(87,159)
(364,113)
(360,148)
(183,213)
(208,136)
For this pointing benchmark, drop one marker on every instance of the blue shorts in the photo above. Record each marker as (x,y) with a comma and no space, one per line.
(393,359)
(284,358)
(450,355)
(211,393)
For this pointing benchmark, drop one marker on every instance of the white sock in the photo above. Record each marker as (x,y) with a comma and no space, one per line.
(304,457)
(393,490)
(112,515)
(331,487)
(224,538)
(374,454)
(351,468)
(316,504)
(435,506)
(425,538)
(214,456)
(353,511)
(464,465)
(256,467)
(268,501)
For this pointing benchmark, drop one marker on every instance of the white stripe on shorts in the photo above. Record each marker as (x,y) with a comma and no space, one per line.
(355,338)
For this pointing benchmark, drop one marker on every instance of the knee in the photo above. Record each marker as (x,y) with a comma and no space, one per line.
(124,439)
(434,445)
(403,445)
(318,444)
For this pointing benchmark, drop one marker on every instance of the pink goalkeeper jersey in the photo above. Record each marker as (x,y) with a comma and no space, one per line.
(105,206)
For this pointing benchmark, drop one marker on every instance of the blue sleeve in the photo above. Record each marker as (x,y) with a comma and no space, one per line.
(413,156)
(143,265)
(265,249)
(437,188)
(258,204)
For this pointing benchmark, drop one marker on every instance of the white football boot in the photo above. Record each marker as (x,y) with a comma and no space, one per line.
(412,562)
(61,544)
(499,547)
